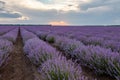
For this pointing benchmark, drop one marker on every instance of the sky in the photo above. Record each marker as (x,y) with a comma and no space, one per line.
(60,12)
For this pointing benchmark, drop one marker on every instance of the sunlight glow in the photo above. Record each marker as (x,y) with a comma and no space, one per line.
(58,23)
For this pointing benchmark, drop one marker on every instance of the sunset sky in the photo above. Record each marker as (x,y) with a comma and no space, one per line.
(60,12)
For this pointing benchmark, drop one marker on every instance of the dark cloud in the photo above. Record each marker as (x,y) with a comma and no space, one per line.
(99,3)
(7,14)
(2,4)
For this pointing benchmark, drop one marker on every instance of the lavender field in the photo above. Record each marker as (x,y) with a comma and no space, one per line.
(59,53)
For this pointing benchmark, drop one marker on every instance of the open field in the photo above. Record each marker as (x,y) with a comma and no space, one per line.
(59,53)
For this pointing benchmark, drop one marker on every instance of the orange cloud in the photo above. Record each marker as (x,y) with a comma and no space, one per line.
(58,23)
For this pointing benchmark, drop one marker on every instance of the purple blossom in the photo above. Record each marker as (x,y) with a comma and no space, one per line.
(67,45)
(11,36)
(100,51)
(102,60)
(26,35)
(5,49)
(5,29)
(61,69)
(50,38)
(42,35)
(38,53)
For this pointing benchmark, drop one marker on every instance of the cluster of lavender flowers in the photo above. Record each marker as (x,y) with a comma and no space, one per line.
(5,29)
(96,52)
(67,45)
(5,49)
(42,35)
(50,38)
(27,35)
(61,69)
(50,63)
(38,51)
(106,36)
(11,35)
(6,44)
(113,45)
(101,60)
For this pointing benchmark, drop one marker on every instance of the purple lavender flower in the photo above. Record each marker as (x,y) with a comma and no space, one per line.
(5,49)
(5,29)
(26,35)
(67,45)
(42,35)
(50,38)
(61,69)
(102,60)
(38,51)
(11,36)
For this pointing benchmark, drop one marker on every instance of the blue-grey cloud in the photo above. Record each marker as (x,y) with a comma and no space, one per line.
(98,3)
(7,14)
(2,5)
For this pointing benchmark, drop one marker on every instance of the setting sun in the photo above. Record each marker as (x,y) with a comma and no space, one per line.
(58,23)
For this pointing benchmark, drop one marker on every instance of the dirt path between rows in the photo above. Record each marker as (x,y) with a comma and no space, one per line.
(18,66)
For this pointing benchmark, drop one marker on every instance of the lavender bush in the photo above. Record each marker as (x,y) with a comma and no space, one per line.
(67,45)
(50,63)
(61,69)
(26,35)
(94,41)
(5,29)
(50,38)
(42,35)
(5,49)
(37,52)
(102,60)
(100,51)
(95,57)
(11,36)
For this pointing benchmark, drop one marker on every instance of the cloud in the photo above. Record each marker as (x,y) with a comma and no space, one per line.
(77,12)
(23,18)
(59,5)
(7,13)
(1,4)
(58,23)
(99,3)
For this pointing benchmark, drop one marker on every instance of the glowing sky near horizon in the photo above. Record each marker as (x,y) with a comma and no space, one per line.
(66,12)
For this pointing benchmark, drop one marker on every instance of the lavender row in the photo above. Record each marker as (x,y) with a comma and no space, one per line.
(108,33)
(99,41)
(107,37)
(26,35)
(5,29)
(11,35)
(5,49)
(113,44)
(50,63)
(96,41)
(102,60)
(6,44)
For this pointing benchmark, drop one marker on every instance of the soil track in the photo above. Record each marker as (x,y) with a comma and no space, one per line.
(18,66)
